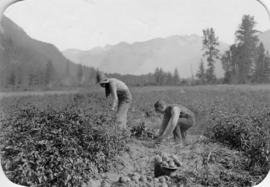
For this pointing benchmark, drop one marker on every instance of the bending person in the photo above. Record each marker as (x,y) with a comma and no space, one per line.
(177,119)
(121,97)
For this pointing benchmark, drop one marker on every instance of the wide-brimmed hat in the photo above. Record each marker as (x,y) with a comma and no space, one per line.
(102,78)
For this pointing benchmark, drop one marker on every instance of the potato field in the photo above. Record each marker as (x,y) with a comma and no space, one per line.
(70,139)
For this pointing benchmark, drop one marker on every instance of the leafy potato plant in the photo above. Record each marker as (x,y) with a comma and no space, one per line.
(142,132)
(58,147)
(247,133)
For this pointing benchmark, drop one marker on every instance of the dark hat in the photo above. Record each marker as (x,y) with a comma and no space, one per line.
(102,78)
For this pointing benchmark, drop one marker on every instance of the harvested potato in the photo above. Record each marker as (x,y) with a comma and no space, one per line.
(135,178)
(128,179)
(143,179)
(164,185)
(149,179)
(147,184)
(176,160)
(167,178)
(123,179)
(157,184)
(164,164)
(163,154)
(156,180)
(105,184)
(165,158)
(173,174)
(162,179)
(172,164)
(158,159)
(174,157)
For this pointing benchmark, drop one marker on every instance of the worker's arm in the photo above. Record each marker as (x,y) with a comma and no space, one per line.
(114,95)
(170,125)
(164,124)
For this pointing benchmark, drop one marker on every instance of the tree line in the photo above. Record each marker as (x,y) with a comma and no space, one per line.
(20,76)
(246,61)
(158,78)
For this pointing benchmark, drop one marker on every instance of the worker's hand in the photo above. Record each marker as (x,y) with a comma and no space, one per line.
(114,106)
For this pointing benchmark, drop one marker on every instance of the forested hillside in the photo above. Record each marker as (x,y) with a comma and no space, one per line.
(27,63)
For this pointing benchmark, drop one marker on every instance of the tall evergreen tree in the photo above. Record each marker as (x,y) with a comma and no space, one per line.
(32,78)
(227,66)
(246,42)
(260,64)
(168,79)
(230,63)
(12,78)
(201,73)
(267,68)
(158,76)
(49,72)
(176,78)
(211,52)
(19,76)
(79,73)
(67,68)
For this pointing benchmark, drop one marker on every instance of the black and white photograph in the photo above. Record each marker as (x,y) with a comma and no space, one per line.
(135,93)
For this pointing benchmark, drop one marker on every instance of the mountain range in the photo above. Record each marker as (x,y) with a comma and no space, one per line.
(181,52)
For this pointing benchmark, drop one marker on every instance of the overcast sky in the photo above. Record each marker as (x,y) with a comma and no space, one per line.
(84,24)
